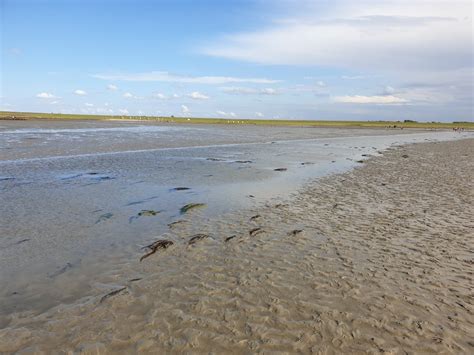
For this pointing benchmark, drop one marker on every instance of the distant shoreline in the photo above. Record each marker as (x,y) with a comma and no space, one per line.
(4,115)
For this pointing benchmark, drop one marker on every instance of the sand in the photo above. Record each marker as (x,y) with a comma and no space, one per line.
(379,259)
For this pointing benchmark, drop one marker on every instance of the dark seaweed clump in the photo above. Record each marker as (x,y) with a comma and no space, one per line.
(191,206)
(148,213)
(295,232)
(197,237)
(113,293)
(155,246)
(230,238)
(255,231)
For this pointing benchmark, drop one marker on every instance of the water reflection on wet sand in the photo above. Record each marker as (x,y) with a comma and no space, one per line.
(77,198)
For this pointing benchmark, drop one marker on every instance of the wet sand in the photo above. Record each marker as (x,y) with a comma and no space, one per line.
(23,140)
(378,259)
(72,192)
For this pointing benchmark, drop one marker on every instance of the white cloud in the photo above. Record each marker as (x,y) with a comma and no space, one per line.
(88,104)
(319,83)
(249,91)
(196,95)
(434,95)
(376,35)
(55,102)
(80,92)
(112,87)
(359,99)
(388,90)
(226,114)
(268,91)
(353,77)
(239,90)
(185,109)
(171,78)
(128,95)
(123,111)
(46,95)
(316,89)
(259,114)
(160,96)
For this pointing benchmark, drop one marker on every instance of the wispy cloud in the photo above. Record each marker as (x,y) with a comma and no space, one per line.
(196,95)
(164,76)
(80,92)
(112,87)
(379,100)
(249,91)
(370,35)
(318,82)
(46,95)
(161,96)
(353,77)
(129,95)
(226,114)
(388,90)
(185,109)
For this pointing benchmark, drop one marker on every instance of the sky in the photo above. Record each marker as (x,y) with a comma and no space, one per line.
(280,59)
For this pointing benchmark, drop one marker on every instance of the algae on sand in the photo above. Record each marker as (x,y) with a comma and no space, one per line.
(191,206)
(148,213)
(155,246)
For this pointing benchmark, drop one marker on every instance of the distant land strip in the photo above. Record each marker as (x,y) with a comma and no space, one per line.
(5,115)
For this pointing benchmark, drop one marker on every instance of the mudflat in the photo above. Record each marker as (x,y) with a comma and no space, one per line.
(377,259)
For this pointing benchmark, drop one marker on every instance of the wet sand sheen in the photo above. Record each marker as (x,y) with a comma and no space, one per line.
(374,260)
(82,191)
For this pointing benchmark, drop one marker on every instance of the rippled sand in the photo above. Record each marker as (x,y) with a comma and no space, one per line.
(375,260)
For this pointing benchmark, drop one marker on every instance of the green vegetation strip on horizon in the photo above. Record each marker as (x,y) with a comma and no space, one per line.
(399,124)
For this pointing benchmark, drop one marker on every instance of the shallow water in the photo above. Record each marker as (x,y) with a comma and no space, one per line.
(71,192)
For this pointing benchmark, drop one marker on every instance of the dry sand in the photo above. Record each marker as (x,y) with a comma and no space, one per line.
(384,264)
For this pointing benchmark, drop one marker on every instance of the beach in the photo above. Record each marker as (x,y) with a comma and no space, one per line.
(373,255)
(237,177)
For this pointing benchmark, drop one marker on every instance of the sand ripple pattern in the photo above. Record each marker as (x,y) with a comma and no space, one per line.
(384,264)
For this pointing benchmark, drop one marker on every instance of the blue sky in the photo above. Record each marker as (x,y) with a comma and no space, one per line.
(337,59)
